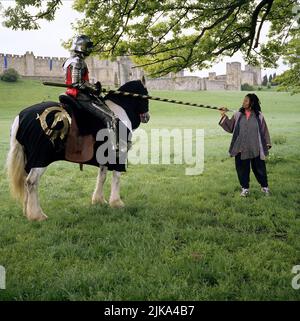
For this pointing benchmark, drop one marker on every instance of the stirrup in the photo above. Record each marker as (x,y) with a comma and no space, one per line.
(113,139)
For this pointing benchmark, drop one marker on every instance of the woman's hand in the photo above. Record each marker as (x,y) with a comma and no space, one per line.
(223,111)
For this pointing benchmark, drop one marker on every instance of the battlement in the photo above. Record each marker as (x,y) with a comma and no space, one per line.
(119,71)
(30,53)
(12,56)
(42,67)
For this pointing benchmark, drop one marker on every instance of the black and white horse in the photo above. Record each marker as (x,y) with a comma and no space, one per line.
(32,149)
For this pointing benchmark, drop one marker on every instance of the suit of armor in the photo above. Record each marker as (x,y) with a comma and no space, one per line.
(77,76)
(87,94)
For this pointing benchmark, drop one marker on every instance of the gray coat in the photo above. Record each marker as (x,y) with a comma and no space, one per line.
(232,126)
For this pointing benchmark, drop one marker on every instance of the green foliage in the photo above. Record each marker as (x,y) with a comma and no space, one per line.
(247,87)
(273,82)
(279,139)
(10,75)
(270,79)
(179,237)
(290,79)
(265,80)
(21,16)
(172,35)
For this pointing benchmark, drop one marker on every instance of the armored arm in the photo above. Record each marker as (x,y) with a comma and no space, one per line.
(78,68)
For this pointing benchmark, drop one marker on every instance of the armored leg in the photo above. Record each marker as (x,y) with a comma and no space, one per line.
(99,109)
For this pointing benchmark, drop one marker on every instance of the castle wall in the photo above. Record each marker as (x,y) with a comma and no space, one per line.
(215,84)
(178,83)
(212,75)
(221,77)
(247,78)
(101,70)
(122,70)
(46,66)
(13,60)
(185,83)
(256,71)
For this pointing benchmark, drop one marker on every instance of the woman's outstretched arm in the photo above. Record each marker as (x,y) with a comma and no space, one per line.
(226,123)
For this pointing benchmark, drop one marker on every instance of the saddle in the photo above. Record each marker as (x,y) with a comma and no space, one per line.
(79,148)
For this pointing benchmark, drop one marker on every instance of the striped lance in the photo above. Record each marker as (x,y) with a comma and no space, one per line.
(166,100)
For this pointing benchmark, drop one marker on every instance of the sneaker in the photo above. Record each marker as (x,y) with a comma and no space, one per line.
(265,190)
(245,192)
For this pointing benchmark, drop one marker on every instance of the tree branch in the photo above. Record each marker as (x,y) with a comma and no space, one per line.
(254,21)
(262,22)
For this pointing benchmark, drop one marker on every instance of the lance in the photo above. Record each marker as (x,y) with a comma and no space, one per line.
(125,93)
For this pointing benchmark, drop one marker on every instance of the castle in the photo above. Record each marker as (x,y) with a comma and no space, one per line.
(116,73)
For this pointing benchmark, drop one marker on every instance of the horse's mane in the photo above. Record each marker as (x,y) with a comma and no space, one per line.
(133,106)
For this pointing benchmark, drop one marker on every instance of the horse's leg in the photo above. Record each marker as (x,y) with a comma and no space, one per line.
(98,196)
(115,200)
(32,207)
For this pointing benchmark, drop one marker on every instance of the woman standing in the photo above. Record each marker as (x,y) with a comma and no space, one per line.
(250,142)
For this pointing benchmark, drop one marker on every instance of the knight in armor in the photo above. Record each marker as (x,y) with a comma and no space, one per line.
(86,93)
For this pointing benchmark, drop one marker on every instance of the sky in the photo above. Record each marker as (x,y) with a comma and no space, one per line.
(47,41)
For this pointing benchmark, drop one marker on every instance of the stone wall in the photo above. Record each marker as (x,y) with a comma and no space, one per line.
(247,78)
(215,84)
(176,83)
(109,73)
(256,71)
(189,83)
(118,72)
(233,72)
(34,67)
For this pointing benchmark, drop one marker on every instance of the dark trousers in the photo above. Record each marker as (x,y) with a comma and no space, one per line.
(243,170)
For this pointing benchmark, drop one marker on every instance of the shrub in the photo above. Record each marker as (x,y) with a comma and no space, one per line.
(247,87)
(10,75)
(279,140)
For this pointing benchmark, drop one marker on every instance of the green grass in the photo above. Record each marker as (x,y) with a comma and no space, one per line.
(179,237)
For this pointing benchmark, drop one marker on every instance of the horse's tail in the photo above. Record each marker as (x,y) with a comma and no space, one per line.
(16,164)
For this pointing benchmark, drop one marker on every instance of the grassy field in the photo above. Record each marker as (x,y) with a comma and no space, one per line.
(179,237)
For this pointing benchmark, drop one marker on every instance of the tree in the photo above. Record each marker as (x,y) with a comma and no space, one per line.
(265,80)
(20,17)
(270,79)
(10,75)
(290,79)
(165,36)
(274,83)
(247,87)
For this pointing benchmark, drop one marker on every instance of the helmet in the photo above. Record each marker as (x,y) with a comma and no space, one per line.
(83,44)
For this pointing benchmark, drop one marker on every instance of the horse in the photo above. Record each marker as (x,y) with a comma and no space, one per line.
(46,132)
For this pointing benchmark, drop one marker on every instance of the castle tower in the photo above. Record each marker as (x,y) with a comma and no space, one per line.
(212,75)
(124,69)
(29,64)
(256,73)
(234,75)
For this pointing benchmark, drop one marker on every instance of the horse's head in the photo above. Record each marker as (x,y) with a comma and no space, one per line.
(137,108)
(144,107)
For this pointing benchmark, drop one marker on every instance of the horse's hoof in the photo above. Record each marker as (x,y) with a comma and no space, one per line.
(116,203)
(39,218)
(98,200)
